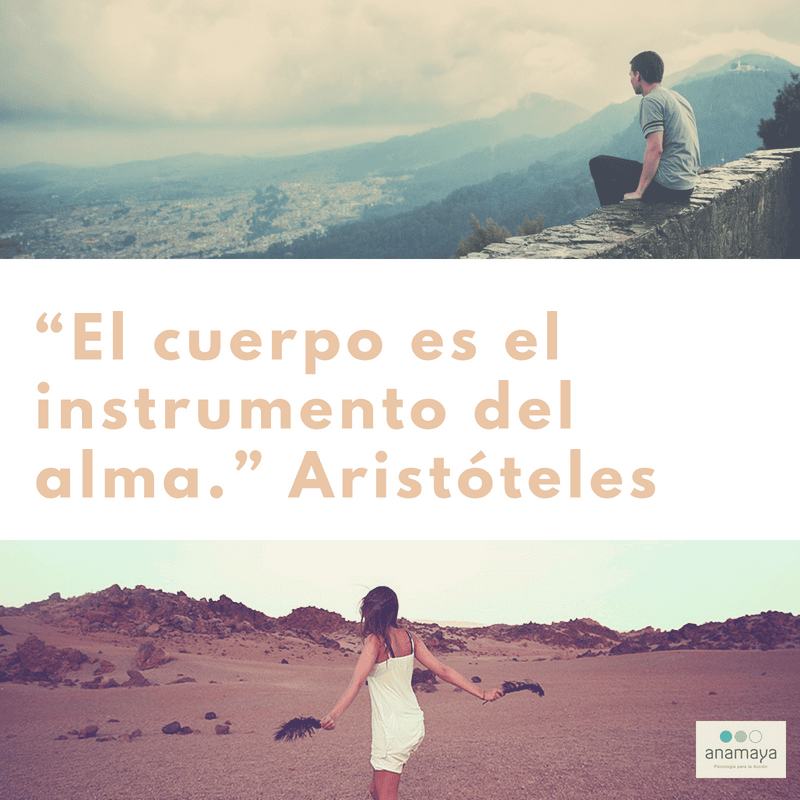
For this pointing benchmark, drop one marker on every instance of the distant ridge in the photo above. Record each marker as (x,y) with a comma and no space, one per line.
(535,115)
(718,63)
(449,624)
(143,612)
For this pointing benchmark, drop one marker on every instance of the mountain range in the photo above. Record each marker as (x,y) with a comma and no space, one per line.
(407,197)
(166,620)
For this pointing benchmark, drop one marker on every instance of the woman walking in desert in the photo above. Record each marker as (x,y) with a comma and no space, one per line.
(387,663)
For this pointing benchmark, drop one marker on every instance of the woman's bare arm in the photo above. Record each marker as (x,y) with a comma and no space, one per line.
(448,674)
(365,662)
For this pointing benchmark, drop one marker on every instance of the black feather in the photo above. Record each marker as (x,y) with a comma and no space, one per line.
(297,728)
(521,686)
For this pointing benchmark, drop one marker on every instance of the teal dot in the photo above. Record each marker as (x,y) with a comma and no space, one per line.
(726,736)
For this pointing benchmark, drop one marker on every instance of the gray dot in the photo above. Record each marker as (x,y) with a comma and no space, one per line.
(740,736)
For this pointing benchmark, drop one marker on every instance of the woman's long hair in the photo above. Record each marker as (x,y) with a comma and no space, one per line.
(379,613)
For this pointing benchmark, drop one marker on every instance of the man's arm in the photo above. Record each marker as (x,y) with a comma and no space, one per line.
(652,156)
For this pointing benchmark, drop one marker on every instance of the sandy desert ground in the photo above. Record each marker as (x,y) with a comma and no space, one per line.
(608,727)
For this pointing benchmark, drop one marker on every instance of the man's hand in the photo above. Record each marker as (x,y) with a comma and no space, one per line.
(652,156)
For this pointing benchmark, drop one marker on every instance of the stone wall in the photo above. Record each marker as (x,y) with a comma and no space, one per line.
(748,208)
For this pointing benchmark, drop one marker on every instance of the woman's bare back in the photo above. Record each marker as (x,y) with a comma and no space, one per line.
(400,642)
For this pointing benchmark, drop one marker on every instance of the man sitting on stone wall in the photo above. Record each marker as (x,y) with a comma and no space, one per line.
(672,153)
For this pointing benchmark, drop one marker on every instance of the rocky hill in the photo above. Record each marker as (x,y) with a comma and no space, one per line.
(769,630)
(154,613)
(577,633)
(159,615)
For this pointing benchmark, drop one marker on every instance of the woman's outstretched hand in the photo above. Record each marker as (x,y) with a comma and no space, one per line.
(328,723)
(491,695)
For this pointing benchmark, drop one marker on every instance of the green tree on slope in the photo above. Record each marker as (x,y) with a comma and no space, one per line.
(480,237)
(784,129)
(530,227)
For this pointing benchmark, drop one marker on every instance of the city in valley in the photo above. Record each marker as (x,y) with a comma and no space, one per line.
(146,210)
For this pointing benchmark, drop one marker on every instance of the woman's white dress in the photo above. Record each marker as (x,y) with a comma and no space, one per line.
(397,721)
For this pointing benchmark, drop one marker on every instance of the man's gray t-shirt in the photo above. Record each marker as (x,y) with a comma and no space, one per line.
(665,110)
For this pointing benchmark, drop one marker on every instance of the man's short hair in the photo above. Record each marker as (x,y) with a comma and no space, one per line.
(649,65)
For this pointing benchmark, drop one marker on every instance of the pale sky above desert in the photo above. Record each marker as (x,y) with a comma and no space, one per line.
(623,585)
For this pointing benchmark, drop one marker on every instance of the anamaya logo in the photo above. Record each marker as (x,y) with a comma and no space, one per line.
(740,749)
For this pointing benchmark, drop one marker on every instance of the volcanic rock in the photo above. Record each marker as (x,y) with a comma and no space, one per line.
(628,648)
(36,661)
(148,656)
(309,618)
(172,727)
(438,642)
(422,676)
(135,678)
(105,666)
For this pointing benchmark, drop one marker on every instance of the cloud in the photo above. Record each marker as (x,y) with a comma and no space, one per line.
(696,46)
(323,62)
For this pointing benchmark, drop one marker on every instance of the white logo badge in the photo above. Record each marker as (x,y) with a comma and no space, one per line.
(727,749)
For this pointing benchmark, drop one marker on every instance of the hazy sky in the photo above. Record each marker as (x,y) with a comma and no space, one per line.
(624,585)
(196,65)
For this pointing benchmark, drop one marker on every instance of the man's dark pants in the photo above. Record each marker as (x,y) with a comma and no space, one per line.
(615,177)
